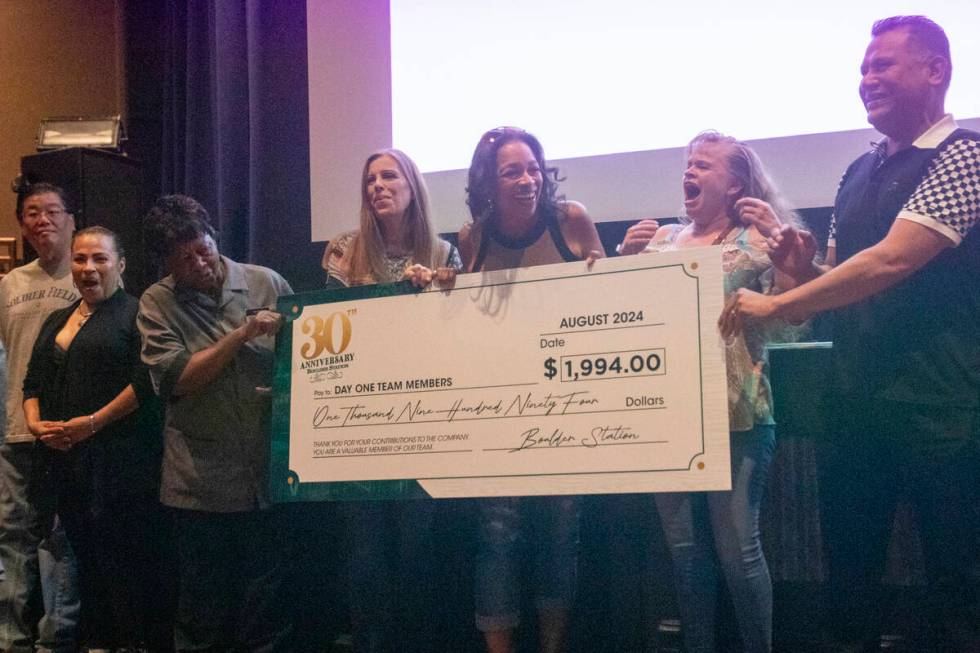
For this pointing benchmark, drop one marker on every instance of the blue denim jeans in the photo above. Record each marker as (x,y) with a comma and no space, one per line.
(547,529)
(700,525)
(38,562)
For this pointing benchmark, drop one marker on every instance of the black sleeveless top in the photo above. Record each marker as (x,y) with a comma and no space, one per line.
(542,245)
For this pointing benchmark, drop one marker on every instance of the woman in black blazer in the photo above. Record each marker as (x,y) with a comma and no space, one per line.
(89,400)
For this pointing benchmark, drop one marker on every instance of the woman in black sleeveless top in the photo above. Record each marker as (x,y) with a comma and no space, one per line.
(518,222)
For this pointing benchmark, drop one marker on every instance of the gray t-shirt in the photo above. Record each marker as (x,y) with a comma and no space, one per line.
(216,440)
(28,295)
(3,391)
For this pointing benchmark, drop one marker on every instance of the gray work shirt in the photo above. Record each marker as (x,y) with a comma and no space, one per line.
(216,441)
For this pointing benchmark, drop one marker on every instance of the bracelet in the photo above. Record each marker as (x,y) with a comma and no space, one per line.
(91,424)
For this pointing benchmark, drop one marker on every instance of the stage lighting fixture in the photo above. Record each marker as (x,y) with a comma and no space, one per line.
(104,133)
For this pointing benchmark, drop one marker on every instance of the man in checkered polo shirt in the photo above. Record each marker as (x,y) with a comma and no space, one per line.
(903,279)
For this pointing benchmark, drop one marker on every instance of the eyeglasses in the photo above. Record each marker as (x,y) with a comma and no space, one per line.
(51,213)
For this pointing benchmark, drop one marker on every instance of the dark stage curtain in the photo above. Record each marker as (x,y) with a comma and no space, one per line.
(218,110)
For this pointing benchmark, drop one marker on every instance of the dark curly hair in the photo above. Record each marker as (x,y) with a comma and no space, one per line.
(481,188)
(172,220)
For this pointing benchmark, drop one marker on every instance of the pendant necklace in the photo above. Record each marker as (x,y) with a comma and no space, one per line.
(83,316)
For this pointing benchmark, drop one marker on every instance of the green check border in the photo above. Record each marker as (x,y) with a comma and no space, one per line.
(284,484)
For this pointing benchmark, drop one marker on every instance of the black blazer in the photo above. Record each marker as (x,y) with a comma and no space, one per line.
(101,361)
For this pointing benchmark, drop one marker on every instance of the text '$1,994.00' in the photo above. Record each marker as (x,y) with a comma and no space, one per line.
(648,362)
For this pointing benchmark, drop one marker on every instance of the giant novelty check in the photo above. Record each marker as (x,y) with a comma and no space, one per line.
(545,380)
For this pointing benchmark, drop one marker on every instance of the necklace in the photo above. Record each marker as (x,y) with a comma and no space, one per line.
(724,234)
(83,316)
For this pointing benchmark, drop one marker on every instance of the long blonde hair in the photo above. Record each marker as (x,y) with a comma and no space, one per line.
(369,253)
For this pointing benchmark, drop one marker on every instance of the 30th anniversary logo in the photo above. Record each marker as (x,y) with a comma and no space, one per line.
(332,335)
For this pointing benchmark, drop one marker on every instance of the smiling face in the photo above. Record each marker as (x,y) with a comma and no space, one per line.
(898,82)
(196,264)
(46,224)
(96,267)
(386,189)
(519,182)
(709,188)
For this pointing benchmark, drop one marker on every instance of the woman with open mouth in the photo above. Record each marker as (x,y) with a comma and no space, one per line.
(729,201)
(88,398)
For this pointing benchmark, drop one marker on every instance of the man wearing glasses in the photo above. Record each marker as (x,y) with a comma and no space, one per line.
(34,556)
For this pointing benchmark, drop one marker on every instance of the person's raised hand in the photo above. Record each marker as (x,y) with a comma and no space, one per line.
(638,236)
(791,251)
(758,213)
(263,323)
(419,275)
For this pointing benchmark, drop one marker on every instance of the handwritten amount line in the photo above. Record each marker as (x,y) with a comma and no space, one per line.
(617,328)
(393,453)
(471,419)
(403,392)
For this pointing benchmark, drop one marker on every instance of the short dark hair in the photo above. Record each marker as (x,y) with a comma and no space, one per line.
(925,32)
(172,220)
(28,191)
(481,187)
(99,230)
